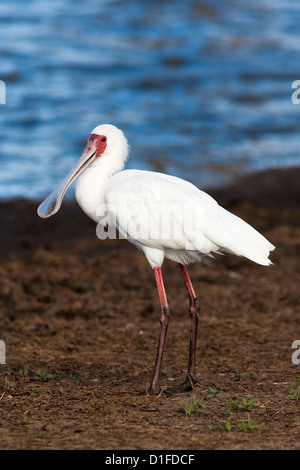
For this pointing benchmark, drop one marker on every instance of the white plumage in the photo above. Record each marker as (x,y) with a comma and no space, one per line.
(162,215)
(147,199)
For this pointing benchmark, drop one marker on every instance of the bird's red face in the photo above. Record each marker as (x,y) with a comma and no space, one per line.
(96,144)
(94,148)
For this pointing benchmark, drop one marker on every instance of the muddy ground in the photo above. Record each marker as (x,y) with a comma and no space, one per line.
(79,317)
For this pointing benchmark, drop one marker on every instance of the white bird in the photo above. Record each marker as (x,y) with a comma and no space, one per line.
(162,215)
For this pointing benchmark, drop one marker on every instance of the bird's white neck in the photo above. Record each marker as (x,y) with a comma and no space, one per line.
(91,184)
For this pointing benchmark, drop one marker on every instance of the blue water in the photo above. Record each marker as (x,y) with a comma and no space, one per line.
(202,90)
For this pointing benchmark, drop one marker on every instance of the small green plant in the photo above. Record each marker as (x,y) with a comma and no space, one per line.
(226,427)
(44,376)
(247,425)
(40,429)
(192,407)
(79,377)
(26,421)
(9,386)
(31,424)
(24,371)
(212,392)
(294,393)
(245,405)
(237,375)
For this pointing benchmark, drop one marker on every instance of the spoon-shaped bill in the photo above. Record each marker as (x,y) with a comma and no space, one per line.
(52,204)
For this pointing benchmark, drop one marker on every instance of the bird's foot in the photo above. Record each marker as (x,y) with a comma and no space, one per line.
(187,385)
(154,390)
(190,382)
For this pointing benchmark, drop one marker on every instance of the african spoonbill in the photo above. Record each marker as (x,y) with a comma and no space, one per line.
(163,216)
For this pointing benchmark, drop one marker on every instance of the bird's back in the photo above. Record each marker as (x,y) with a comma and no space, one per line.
(158,212)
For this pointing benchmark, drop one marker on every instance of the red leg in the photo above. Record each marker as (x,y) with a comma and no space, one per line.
(164,316)
(194,311)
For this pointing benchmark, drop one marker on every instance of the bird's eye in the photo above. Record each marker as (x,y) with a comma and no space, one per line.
(103,139)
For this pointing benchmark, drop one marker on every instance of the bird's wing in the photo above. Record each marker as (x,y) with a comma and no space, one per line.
(159,211)
(234,235)
(165,212)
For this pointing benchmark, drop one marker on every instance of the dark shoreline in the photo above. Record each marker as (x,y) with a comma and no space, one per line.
(21,230)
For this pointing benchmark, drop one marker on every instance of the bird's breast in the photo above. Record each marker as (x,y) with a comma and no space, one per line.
(89,193)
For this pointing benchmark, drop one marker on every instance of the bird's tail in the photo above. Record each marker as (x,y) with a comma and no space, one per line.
(238,237)
(251,244)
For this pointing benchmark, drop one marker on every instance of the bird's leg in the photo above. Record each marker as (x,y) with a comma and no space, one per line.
(164,316)
(194,311)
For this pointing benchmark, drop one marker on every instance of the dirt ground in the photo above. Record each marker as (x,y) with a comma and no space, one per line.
(79,318)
